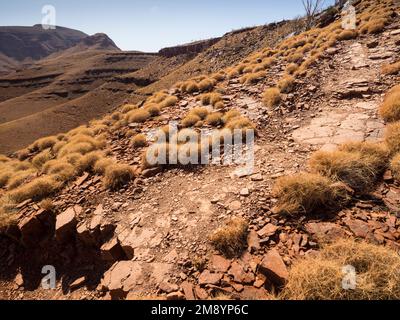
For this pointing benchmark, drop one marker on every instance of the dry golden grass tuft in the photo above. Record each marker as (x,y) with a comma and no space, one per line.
(40,159)
(214,119)
(139,141)
(201,112)
(374,26)
(307,193)
(271,97)
(392,137)
(292,68)
(206,84)
(169,102)
(231,240)
(358,171)
(73,148)
(320,277)
(4,159)
(138,116)
(153,109)
(390,108)
(102,164)
(190,120)
(43,143)
(186,136)
(210,98)
(20,178)
(128,107)
(375,153)
(47,205)
(240,123)
(88,161)
(117,175)
(391,69)
(36,190)
(286,84)
(82,130)
(61,169)
(347,35)
(395,166)
(253,78)
(230,115)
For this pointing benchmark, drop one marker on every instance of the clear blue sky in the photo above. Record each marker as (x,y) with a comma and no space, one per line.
(149,25)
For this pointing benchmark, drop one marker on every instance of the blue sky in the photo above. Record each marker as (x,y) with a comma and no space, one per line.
(149,25)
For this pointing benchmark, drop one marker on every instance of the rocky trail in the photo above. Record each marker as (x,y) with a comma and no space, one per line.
(151,238)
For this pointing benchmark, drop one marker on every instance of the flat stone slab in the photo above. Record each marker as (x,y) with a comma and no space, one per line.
(334,128)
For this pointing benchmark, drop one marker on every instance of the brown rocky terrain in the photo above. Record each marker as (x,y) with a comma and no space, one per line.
(151,237)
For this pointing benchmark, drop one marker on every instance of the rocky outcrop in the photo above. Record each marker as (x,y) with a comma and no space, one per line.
(190,48)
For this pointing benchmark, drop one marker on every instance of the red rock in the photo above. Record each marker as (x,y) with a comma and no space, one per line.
(201,294)
(360,228)
(253,241)
(174,296)
(268,231)
(251,294)
(392,200)
(326,231)
(112,251)
(77,283)
(209,278)
(31,230)
(187,288)
(66,223)
(273,267)
(388,177)
(240,275)
(219,264)
(122,278)
(167,287)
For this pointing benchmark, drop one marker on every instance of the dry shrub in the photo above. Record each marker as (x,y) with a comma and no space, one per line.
(20,177)
(190,120)
(88,161)
(40,159)
(390,108)
(82,130)
(253,78)
(128,107)
(292,68)
(97,143)
(231,240)
(307,193)
(58,146)
(358,171)
(43,143)
(240,123)
(295,58)
(153,109)
(210,98)
(190,87)
(271,97)
(219,105)
(138,116)
(61,169)
(214,119)
(6,172)
(139,141)
(395,166)
(286,84)
(320,277)
(230,115)
(392,137)
(36,190)
(347,35)
(73,148)
(169,102)
(47,205)
(374,26)
(391,69)
(117,175)
(206,85)
(101,165)
(375,153)
(201,112)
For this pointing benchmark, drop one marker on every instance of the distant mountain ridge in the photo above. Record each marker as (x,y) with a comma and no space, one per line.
(20,45)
